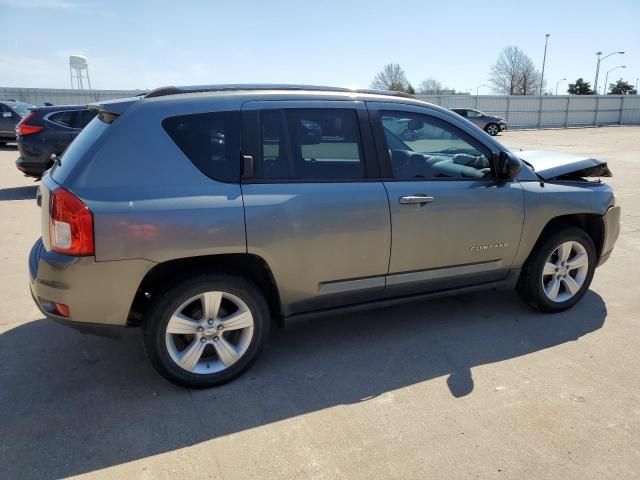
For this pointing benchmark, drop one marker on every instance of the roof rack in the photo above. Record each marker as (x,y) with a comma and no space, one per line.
(163,91)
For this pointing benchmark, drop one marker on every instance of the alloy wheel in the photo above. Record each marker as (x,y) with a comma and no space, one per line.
(565,271)
(492,130)
(209,332)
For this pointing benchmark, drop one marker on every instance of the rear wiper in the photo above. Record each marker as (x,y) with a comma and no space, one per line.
(56,159)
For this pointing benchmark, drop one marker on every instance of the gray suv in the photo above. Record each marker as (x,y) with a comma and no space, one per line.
(205,214)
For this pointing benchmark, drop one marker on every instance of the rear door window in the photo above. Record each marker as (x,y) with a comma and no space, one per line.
(210,140)
(314,144)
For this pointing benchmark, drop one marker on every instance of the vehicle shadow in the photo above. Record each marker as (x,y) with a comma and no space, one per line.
(74,403)
(19,193)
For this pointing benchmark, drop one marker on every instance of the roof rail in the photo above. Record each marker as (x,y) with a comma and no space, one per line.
(163,91)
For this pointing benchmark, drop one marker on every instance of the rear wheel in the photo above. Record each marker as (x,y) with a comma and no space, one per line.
(207,331)
(559,270)
(492,129)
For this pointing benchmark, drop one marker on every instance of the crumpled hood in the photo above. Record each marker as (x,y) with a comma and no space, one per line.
(551,165)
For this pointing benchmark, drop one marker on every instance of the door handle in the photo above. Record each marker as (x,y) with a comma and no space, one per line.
(418,198)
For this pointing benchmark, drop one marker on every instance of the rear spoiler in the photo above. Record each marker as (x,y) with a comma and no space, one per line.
(109,110)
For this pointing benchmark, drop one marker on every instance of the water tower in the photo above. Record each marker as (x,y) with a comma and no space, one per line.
(79,71)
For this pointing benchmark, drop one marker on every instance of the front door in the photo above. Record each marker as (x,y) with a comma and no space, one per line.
(453,224)
(315,210)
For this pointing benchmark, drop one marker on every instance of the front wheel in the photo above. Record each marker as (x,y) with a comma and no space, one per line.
(559,270)
(207,331)
(492,129)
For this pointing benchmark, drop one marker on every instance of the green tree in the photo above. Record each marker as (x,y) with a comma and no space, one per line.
(622,88)
(580,88)
(392,77)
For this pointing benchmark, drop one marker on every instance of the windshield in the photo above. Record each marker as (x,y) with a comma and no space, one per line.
(21,109)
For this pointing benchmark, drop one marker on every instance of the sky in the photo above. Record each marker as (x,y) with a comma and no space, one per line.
(145,44)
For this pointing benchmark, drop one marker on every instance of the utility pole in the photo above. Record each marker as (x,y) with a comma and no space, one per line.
(544,61)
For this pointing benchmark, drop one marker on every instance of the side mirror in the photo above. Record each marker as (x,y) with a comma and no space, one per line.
(508,166)
(6,115)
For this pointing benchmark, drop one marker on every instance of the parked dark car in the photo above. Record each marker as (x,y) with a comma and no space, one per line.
(490,124)
(47,131)
(11,113)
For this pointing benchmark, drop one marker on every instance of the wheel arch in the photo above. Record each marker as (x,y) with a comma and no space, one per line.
(591,223)
(167,273)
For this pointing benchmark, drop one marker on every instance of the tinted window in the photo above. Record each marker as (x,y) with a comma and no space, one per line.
(276,161)
(425,147)
(63,118)
(210,140)
(86,116)
(319,144)
(473,113)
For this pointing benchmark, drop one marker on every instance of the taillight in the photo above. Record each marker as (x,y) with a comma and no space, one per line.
(70,224)
(23,128)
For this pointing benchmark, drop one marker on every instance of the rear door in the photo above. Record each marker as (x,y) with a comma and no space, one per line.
(453,223)
(315,208)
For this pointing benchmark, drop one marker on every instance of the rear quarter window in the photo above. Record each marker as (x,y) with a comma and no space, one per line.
(211,141)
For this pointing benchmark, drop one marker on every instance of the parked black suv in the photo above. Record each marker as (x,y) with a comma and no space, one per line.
(11,112)
(47,131)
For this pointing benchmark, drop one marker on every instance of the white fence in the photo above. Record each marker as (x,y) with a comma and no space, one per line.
(550,111)
(62,96)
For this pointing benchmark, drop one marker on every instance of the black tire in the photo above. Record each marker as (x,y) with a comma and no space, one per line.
(166,304)
(492,129)
(530,284)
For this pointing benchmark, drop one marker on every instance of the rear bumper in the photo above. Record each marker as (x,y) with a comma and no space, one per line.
(95,292)
(31,169)
(34,158)
(611,232)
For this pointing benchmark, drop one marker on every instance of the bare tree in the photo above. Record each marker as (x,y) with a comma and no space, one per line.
(514,73)
(392,77)
(430,86)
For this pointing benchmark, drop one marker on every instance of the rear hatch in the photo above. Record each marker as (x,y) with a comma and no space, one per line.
(76,156)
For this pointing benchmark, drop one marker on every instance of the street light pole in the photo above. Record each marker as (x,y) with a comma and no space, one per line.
(558,83)
(544,61)
(595,83)
(478,87)
(606,78)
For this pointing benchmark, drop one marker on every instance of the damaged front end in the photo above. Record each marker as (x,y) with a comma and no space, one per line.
(564,166)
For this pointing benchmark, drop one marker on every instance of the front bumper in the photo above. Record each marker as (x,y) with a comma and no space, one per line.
(611,232)
(503,127)
(95,292)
